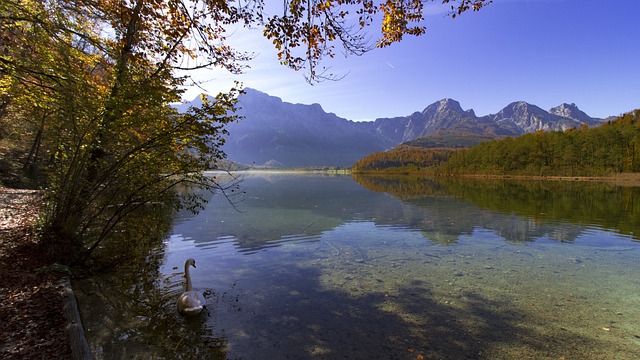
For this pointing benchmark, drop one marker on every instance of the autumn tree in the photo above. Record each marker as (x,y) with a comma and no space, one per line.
(96,81)
(90,82)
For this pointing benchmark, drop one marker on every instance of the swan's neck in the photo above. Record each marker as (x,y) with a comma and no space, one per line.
(187,276)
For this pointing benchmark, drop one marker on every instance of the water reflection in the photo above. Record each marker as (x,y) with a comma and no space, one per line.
(276,209)
(132,314)
(322,267)
(529,210)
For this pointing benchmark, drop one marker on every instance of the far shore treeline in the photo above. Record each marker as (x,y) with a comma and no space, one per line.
(610,149)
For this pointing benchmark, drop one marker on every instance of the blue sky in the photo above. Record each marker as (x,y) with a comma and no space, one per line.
(544,52)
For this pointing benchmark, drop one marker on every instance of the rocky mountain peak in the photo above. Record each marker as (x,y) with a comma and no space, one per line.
(524,117)
(564,107)
(447,105)
(521,109)
(571,111)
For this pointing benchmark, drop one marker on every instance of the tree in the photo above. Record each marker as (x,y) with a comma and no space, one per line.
(92,82)
(113,142)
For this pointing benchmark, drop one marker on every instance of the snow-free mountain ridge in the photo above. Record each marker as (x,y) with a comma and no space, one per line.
(276,132)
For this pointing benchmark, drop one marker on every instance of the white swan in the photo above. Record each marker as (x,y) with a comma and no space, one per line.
(191,301)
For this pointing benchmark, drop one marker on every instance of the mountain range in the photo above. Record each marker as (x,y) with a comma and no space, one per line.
(276,133)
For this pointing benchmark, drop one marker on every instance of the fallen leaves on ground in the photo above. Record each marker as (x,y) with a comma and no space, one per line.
(31,305)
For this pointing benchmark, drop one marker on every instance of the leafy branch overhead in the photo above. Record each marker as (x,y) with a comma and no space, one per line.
(310,30)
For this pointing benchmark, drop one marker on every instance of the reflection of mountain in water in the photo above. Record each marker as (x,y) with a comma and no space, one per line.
(444,219)
(518,211)
(275,209)
(278,209)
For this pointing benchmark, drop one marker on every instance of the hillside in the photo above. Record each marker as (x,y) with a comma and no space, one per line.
(450,139)
(611,148)
(403,158)
(424,152)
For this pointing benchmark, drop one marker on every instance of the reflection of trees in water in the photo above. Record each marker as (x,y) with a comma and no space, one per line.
(520,210)
(273,208)
(582,203)
(403,187)
(129,310)
(276,209)
(135,316)
(135,237)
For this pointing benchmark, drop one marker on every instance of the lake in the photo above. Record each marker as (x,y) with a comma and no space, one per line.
(332,267)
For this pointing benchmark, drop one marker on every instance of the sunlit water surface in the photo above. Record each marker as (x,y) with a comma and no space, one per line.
(320,267)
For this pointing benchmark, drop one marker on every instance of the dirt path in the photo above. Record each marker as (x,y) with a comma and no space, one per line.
(31,301)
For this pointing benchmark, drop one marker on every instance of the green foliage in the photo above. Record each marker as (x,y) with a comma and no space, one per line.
(611,148)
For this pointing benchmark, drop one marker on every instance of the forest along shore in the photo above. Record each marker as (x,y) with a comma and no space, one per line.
(31,296)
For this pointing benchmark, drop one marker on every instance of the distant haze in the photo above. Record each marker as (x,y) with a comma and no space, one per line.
(280,134)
